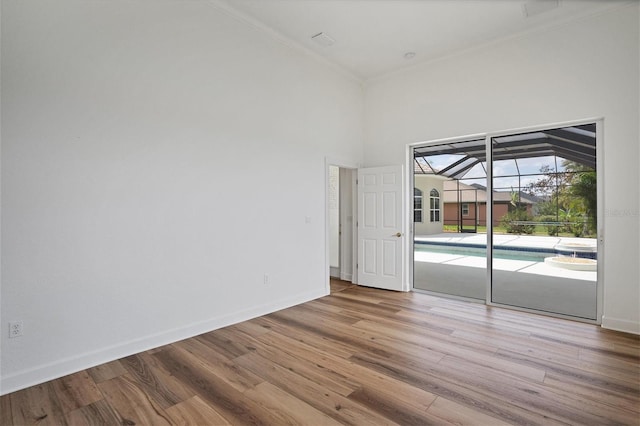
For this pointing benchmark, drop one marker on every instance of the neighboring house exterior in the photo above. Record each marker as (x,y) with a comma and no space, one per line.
(428,212)
(440,201)
(467,204)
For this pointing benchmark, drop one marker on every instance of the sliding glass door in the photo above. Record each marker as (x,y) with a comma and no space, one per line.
(512,218)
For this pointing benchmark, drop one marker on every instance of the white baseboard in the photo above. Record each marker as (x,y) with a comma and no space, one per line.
(43,373)
(334,271)
(346,277)
(620,325)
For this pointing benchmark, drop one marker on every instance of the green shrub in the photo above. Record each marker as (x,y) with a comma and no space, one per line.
(511,222)
(551,229)
(576,222)
(576,228)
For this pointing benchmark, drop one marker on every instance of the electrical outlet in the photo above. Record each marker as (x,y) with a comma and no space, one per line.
(15,329)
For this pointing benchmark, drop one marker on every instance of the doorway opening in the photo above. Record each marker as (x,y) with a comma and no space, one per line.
(516,222)
(340,221)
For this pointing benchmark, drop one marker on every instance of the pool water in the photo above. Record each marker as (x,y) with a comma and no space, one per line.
(498,253)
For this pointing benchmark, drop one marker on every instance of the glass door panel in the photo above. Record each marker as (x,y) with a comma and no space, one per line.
(544,206)
(449,222)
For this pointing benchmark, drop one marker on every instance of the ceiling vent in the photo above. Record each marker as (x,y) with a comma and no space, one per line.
(536,7)
(323,39)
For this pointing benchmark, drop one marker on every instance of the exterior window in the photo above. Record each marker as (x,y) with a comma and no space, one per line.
(465,209)
(417,205)
(434,206)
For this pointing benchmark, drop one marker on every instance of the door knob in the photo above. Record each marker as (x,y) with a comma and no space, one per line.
(399,234)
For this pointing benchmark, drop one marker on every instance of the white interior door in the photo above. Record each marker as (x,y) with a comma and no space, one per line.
(381,227)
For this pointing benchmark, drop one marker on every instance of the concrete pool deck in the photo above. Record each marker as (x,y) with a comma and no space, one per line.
(524,266)
(526,283)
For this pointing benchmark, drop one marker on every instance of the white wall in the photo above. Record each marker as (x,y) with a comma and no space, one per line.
(158,158)
(584,69)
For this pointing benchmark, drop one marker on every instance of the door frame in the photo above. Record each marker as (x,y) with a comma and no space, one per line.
(601,232)
(407,283)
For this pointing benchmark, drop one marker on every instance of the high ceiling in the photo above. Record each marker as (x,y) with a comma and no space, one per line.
(372,37)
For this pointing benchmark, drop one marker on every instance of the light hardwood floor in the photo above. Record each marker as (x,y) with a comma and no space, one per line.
(360,356)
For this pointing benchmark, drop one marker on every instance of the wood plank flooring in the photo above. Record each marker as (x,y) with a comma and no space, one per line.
(361,357)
